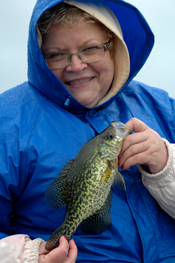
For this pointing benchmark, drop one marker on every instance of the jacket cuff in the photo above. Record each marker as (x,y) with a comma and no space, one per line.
(30,252)
(19,249)
(164,177)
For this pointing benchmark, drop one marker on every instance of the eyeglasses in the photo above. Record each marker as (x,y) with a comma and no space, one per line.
(87,55)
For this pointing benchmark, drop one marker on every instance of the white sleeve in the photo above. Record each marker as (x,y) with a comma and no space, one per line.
(19,249)
(162,185)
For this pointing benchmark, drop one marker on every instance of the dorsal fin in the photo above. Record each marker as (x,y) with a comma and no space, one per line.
(57,193)
(66,170)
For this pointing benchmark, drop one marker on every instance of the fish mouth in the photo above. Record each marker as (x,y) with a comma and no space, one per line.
(79,81)
(121,129)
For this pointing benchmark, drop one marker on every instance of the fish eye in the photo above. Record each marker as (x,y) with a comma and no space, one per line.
(110,136)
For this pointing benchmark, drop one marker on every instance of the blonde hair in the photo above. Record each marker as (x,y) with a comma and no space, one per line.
(67,15)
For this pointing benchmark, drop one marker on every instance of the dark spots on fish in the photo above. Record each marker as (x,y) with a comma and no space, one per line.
(84,185)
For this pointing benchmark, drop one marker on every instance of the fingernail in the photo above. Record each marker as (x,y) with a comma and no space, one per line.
(118,161)
(74,241)
(65,237)
(122,166)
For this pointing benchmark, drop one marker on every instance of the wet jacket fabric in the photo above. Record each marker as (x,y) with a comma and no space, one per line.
(42,127)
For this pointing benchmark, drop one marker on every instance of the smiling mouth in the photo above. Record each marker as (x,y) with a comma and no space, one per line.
(78,82)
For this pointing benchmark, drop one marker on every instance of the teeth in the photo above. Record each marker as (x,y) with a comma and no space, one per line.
(77,82)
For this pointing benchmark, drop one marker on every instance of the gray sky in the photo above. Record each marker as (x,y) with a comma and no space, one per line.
(159,70)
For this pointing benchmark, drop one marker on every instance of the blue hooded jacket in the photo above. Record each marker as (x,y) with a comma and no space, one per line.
(40,132)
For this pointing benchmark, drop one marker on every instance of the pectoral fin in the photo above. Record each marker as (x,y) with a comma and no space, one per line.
(119,181)
(107,173)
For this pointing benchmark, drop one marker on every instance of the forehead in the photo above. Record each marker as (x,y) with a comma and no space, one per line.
(79,33)
(80,24)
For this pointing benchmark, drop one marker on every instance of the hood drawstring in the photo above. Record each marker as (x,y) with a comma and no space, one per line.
(67,102)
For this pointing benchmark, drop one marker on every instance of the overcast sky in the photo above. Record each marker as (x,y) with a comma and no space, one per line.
(159,70)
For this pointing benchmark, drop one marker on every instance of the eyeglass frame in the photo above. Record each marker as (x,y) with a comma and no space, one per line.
(69,58)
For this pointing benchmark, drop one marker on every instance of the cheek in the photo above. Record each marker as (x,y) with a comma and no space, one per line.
(106,71)
(58,73)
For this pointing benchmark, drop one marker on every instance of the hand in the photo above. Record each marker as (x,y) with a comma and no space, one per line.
(64,253)
(144,147)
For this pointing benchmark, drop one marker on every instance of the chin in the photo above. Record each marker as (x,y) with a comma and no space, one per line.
(86,104)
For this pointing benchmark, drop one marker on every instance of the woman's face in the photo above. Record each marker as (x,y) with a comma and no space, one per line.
(87,82)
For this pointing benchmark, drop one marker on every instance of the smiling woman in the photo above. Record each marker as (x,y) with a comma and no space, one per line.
(87,82)
(88,79)
(80,81)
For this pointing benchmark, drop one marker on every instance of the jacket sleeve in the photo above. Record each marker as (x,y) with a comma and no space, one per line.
(19,249)
(162,185)
(12,177)
(13,248)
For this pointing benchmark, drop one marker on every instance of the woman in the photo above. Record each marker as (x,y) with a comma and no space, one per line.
(81,66)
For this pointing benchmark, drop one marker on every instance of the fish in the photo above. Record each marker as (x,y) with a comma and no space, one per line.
(85,184)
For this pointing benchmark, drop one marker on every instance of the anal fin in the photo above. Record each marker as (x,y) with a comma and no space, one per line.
(99,221)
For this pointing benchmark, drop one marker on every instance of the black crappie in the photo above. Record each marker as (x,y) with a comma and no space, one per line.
(84,185)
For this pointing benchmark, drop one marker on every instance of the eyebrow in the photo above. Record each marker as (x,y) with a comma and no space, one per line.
(58,49)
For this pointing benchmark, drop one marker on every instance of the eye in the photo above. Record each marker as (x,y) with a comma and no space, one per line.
(56,56)
(109,136)
(90,50)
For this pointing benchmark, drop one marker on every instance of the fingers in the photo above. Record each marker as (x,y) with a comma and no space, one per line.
(134,143)
(73,251)
(60,252)
(64,253)
(133,151)
(131,140)
(145,146)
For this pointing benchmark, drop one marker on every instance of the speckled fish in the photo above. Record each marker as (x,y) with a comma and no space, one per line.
(84,185)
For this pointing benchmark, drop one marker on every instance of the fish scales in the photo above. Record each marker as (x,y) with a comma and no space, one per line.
(84,185)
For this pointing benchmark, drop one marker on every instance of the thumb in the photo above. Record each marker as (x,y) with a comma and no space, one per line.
(42,249)
(136,125)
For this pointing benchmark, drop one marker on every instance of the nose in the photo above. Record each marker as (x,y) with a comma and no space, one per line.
(76,64)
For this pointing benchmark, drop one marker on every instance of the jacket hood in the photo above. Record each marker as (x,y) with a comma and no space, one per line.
(135,44)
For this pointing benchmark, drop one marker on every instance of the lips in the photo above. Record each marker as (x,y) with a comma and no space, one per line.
(79,81)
